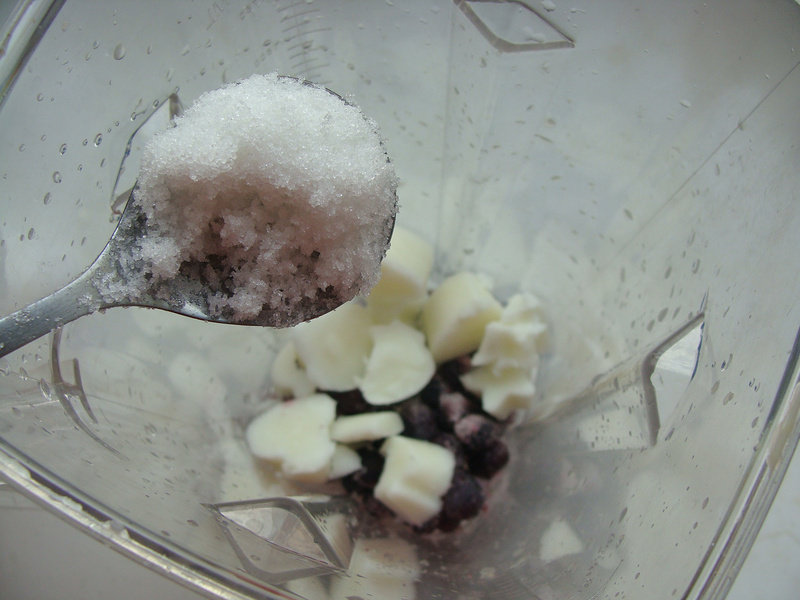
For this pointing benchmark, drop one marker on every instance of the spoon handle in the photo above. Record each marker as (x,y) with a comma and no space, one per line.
(75,300)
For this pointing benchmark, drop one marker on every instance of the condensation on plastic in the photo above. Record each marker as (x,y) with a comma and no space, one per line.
(634,165)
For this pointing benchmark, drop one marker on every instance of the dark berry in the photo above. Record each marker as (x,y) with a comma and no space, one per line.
(476,432)
(450,442)
(352,485)
(452,407)
(365,478)
(452,370)
(431,392)
(351,402)
(428,526)
(490,460)
(462,501)
(442,523)
(419,420)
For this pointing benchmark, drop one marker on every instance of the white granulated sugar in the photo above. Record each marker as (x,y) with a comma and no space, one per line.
(275,193)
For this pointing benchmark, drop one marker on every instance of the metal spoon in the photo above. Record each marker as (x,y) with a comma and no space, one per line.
(91,291)
(98,288)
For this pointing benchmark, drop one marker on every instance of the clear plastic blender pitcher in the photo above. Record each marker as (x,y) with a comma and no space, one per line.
(634,165)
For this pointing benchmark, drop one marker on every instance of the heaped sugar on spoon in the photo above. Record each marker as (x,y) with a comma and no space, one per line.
(270,202)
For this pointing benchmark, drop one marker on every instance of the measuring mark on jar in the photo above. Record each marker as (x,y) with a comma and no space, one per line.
(301,25)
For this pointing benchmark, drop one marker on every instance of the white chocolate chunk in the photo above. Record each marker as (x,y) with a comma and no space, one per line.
(380,568)
(515,340)
(523,307)
(334,347)
(366,427)
(502,392)
(288,378)
(295,436)
(344,461)
(402,287)
(399,366)
(456,314)
(559,540)
(415,476)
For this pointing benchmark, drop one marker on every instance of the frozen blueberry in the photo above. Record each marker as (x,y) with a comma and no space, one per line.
(490,460)
(451,442)
(351,402)
(365,478)
(462,501)
(476,432)
(452,370)
(451,408)
(351,485)
(431,392)
(428,526)
(419,420)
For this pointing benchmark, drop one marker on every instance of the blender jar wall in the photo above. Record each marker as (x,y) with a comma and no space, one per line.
(642,183)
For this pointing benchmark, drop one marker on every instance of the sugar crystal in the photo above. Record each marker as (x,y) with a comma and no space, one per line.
(275,193)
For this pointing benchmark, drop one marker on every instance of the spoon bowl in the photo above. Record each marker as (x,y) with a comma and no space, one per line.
(122,276)
(98,288)
(105,285)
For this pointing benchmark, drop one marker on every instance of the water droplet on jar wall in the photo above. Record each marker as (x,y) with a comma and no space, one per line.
(57,177)
(47,198)
(98,139)
(62,150)
(119,52)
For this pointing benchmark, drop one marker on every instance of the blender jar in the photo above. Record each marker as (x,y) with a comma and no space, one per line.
(634,165)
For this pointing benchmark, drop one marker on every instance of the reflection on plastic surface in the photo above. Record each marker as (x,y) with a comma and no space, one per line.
(67,393)
(514,26)
(280,539)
